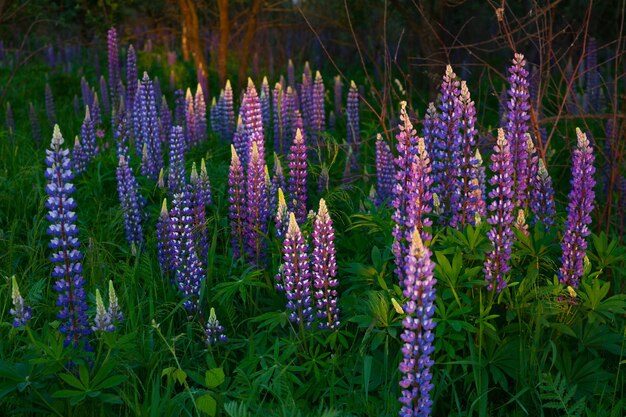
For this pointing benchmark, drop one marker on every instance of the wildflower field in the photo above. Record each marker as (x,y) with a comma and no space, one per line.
(311,242)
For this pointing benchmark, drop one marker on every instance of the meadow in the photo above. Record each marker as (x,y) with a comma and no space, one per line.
(171,245)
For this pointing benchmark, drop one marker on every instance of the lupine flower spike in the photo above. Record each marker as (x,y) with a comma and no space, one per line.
(257,207)
(500,216)
(64,242)
(21,312)
(385,171)
(114,307)
(297,181)
(418,335)
(352,114)
(282,215)
(214,331)
(164,245)
(130,201)
(102,321)
(324,266)
(236,203)
(542,197)
(581,203)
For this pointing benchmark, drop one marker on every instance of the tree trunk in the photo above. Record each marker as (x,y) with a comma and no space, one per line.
(247,40)
(222,50)
(191,39)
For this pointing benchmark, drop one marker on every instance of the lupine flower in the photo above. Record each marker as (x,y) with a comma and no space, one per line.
(296,278)
(128,191)
(214,331)
(517,126)
(131,78)
(324,265)
(481,178)
(79,158)
(252,121)
(189,271)
(431,123)
(114,306)
(122,132)
(579,208)
(291,74)
(542,197)
(88,135)
(318,114)
(278,181)
(288,107)
(277,99)
(227,113)
(500,216)
(21,312)
(10,122)
(34,124)
(385,171)
(191,133)
(149,133)
(593,90)
(411,192)
(104,93)
(520,222)
(50,109)
(114,65)
(236,203)
(102,321)
(264,99)
(447,149)
(200,114)
(202,186)
(64,242)
(469,192)
(418,333)
(86,92)
(214,117)
(176,176)
(282,215)
(257,207)
(164,244)
(352,114)
(332,120)
(297,181)
(305,90)
(338,94)
(165,117)
(96,116)
(198,196)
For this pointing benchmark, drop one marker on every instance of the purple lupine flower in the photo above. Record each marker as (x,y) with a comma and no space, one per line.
(10,122)
(88,135)
(176,175)
(114,307)
(199,189)
(264,99)
(579,208)
(418,333)
(122,132)
(86,92)
(297,181)
(236,203)
(164,244)
(50,109)
(542,197)
(130,202)
(64,242)
(200,114)
(21,312)
(103,321)
(297,122)
(79,158)
(202,186)
(252,121)
(385,171)
(447,149)
(214,117)
(114,65)
(238,140)
(352,115)
(257,207)
(430,125)
(277,98)
(189,271)
(278,181)
(34,124)
(149,135)
(191,133)
(288,108)
(104,93)
(296,277)
(165,117)
(96,116)
(338,94)
(470,194)
(131,78)
(324,265)
(318,114)
(500,216)
(214,331)
(282,215)
(305,91)
(227,113)
(517,126)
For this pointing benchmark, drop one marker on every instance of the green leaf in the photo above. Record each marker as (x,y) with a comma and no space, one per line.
(68,393)
(180,376)
(114,381)
(207,404)
(72,381)
(214,377)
